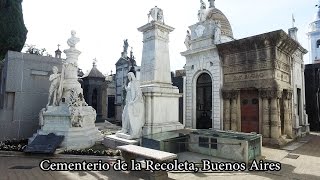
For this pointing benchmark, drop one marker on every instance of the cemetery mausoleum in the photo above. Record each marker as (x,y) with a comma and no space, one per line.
(255,84)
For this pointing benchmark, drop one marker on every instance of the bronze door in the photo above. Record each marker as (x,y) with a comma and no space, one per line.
(249,111)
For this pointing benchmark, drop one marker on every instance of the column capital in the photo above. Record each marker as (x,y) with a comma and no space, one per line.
(287,94)
(230,94)
(270,93)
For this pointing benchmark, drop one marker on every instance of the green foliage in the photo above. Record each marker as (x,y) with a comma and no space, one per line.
(13,32)
(13,145)
(94,151)
(33,50)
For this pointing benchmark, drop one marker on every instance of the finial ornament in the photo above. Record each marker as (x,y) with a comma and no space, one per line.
(95,62)
(202,11)
(211,3)
(156,14)
(73,40)
(293,20)
(125,46)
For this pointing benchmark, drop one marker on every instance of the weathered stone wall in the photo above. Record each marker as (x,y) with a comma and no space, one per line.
(25,86)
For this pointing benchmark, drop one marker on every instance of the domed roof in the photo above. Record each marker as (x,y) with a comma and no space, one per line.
(216,15)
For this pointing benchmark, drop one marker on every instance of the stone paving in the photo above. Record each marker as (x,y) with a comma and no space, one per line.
(305,166)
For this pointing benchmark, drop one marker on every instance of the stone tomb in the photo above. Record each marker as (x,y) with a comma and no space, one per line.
(68,114)
(161,98)
(44,144)
(242,147)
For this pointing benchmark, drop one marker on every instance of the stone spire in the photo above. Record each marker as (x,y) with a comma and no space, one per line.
(58,52)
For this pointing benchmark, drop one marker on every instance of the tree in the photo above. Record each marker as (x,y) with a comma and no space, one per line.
(13,32)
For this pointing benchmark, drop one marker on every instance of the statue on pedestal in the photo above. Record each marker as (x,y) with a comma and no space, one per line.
(156,14)
(217,33)
(54,87)
(202,11)
(73,40)
(133,112)
(211,3)
(187,40)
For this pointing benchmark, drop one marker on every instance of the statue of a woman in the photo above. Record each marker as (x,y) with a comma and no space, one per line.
(202,11)
(133,112)
(217,33)
(187,40)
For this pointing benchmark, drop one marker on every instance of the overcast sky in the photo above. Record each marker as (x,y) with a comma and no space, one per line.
(102,25)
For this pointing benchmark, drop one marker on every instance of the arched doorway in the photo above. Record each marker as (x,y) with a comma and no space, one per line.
(204,102)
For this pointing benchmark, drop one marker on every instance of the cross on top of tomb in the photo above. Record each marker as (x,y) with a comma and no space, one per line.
(94,62)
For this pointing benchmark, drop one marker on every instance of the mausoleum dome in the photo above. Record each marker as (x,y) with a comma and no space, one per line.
(216,15)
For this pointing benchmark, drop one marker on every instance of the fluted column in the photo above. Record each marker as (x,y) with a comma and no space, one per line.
(287,118)
(265,95)
(275,116)
(234,122)
(226,114)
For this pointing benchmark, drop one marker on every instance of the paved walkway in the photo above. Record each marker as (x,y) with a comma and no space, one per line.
(305,166)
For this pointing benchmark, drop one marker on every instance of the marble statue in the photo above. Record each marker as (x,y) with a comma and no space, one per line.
(211,3)
(217,33)
(125,46)
(67,114)
(73,40)
(202,11)
(53,90)
(133,112)
(187,40)
(41,122)
(156,14)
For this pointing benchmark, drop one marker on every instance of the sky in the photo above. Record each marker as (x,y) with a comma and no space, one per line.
(102,25)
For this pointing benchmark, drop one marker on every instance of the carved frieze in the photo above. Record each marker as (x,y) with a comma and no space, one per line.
(253,67)
(281,76)
(248,76)
(282,66)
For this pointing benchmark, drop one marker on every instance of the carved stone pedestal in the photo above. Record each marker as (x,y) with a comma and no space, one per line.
(79,132)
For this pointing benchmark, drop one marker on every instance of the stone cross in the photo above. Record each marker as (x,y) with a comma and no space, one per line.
(59,46)
(94,61)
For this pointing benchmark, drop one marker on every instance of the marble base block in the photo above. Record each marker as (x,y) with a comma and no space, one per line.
(112,141)
(57,121)
(162,108)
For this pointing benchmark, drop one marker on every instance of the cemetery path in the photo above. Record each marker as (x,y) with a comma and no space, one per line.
(302,162)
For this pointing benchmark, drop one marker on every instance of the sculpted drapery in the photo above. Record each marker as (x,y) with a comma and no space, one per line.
(133,112)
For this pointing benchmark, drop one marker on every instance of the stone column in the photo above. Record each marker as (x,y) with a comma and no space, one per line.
(156,86)
(265,114)
(287,118)
(234,96)
(275,116)
(226,110)
(227,114)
